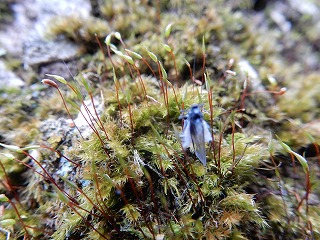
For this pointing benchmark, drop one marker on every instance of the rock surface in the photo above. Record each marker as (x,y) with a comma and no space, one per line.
(27,36)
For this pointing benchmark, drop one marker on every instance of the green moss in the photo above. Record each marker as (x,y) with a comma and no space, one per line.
(134,180)
(149,158)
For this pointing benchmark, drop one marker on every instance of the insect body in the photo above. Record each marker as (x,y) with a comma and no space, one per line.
(196,132)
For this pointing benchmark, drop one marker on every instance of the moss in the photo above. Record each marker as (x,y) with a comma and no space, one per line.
(131,178)
(79,29)
(120,172)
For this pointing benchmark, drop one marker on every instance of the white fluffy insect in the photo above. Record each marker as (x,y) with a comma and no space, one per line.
(196,132)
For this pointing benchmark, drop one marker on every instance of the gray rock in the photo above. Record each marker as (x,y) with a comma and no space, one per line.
(26,35)
(40,51)
(8,79)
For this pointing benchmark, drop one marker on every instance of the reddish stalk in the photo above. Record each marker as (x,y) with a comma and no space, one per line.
(175,95)
(243,95)
(141,81)
(109,55)
(118,100)
(117,85)
(97,115)
(13,204)
(38,229)
(110,216)
(158,7)
(126,203)
(124,82)
(136,69)
(198,187)
(166,179)
(86,221)
(279,93)
(20,218)
(176,98)
(203,66)
(133,77)
(148,65)
(294,169)
(78,189)
(210,106)
(49,177)
(239,159)
(131,119)
(308,186)
(32,168)
(8,185)
(175,64)
(87,110)
(93,128)
(104,56)
(180,174)
(130,179)
(85,210)
(161,83)
(316,146)
(53,84)
(60,155)
(184,182)
(191,76)
(211,122)
(93,204)
(280,187)
(164,89)
(232,140)
(310,227)
(308,191)
(219,151)
(153,199)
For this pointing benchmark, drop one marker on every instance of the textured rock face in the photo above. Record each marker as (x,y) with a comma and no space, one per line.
(9,78)
(26,34)
(41,51)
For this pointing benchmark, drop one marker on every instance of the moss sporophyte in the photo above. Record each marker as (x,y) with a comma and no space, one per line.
(132,174)
(112,161)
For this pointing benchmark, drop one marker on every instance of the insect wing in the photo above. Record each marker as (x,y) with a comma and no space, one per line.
(198,139)
(186,139)
(207,133)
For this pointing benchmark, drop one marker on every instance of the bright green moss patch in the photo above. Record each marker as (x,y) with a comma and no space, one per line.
(120,172)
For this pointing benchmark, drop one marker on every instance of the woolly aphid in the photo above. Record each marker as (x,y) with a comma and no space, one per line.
(196,132)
